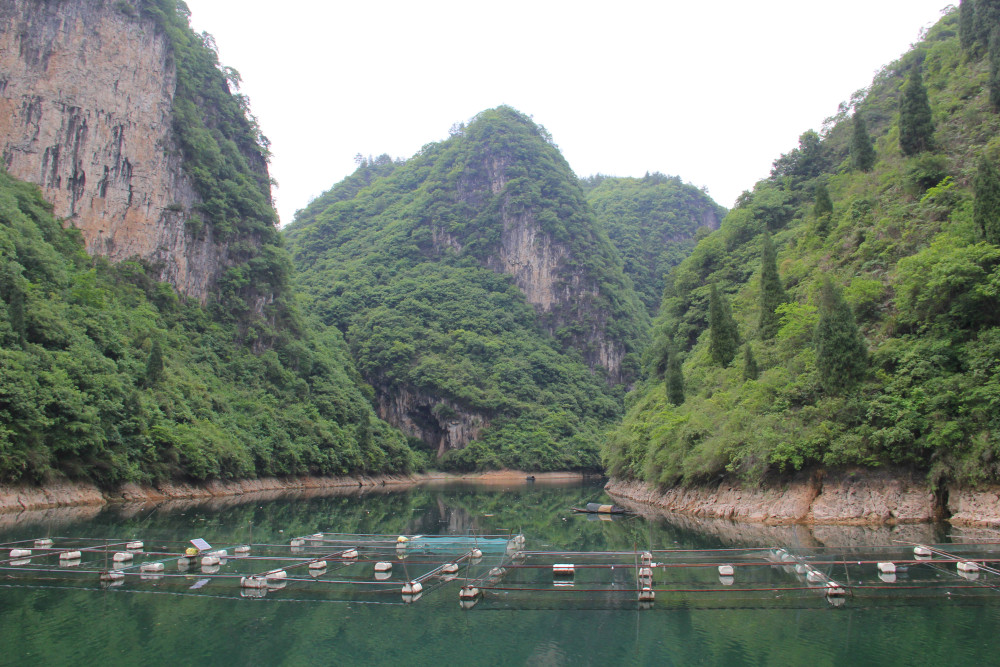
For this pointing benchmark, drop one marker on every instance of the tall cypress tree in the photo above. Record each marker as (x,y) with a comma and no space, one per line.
(823,204)
(986,207)
(723,337)
(154,365)
(994,54)
(841,353)
(985,18)
(862,148)
(916,127)
(772,294)
(967,23)
(750,369)
(675,379)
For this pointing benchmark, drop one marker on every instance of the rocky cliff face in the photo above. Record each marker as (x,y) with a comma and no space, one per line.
(439,422)
(86,91)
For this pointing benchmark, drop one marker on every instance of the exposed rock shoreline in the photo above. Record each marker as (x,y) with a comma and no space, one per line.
(853,498)
(18,498)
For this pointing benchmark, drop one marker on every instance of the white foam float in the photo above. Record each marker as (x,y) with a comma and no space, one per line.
(43,543)
(350,554)
(448,568)
(20,553)
(647,594)
(477,553)
(297,542)
(726,571)
(242,549)
(645,573)
(412,588)
(815,577)
(563,569)
(277,575)
(468,593)
(112,575)
(151,567)
(383,566)
(70,555)
(922,552)
(183,563)
(967,566)
(135,546)
(122,557)
(253,582)
(887,568)
(833,589)
(317,565)
(210,560)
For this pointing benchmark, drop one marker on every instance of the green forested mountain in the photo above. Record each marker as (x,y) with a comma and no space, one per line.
(863,277)
(478,295)
(106,374)
(654,222)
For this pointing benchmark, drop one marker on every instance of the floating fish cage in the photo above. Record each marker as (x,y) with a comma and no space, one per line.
(741,578)
(319,566)
(498,572)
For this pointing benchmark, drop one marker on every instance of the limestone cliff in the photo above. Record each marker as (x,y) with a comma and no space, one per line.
(87,90)
(439,422)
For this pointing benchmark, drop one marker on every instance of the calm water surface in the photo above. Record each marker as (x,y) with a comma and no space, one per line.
(62,622)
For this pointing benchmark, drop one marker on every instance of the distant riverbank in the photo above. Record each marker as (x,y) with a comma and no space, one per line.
(849,497)
(16,498)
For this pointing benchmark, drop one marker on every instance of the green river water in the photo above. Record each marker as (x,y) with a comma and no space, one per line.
(58,621)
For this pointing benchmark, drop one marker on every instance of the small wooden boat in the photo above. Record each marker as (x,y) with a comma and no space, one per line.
(597,508)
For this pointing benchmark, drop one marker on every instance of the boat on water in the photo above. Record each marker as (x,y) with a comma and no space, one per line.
(598,508)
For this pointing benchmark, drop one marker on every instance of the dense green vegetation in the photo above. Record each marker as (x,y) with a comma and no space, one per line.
(106,374)
(400,258)
(654,222)
(872,334)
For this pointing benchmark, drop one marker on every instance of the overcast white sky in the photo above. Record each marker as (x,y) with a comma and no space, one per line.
(709,91)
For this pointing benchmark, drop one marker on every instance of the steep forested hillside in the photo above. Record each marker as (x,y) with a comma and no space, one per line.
(479,295)
(848,310)
(654,222)
(107,374)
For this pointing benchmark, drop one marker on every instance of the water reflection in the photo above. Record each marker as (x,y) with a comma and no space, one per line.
(145,623)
